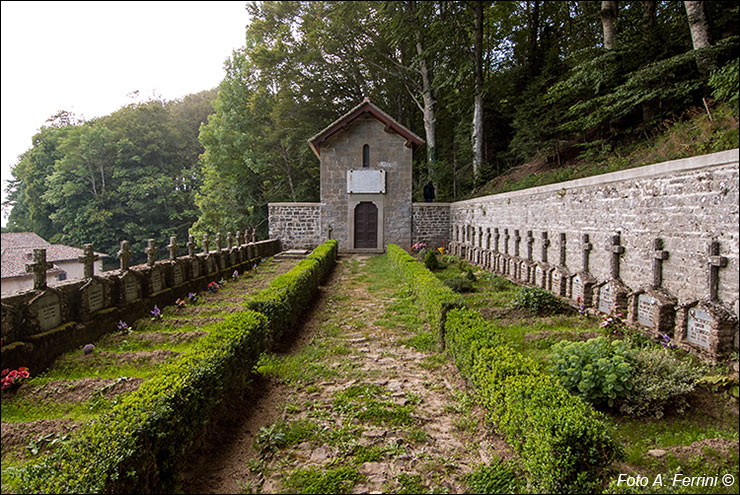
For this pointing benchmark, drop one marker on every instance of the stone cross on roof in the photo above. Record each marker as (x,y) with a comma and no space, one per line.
(173,247)
(38,268)
(124,255)
(659,255)
(88,260)
(715,263)
(191,246)
(562,249)
(617,251)
(545,245)
(586,247)
(517,241)
(218,242)
(151,251)
(530,243)
(205,243)
(495,239)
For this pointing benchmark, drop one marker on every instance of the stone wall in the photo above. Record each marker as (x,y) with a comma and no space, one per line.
(683,205)
(387,152)
(39,325)
(431,224)
(297,225)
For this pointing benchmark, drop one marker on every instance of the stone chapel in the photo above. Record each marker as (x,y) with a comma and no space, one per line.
(366,166)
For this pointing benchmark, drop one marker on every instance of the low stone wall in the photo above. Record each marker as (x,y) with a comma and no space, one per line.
(659,242)
(39,325)
(297,225)
(431,224)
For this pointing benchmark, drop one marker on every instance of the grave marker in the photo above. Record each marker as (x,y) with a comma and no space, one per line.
(612,295)
(191,246)
(151,251)
(654,307)
(39,268)
(172,247)
(124,254)
(88,260)
(560,275)
(177,274)
(581,291)
(48,311)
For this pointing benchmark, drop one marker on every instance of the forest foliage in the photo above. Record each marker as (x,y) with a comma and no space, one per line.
(488,85)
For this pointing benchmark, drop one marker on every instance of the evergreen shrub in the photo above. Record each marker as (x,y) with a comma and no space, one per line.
(459,284)
(431,261)
(537,300)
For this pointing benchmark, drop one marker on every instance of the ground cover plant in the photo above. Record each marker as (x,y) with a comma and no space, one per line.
(80,386)
(689,426)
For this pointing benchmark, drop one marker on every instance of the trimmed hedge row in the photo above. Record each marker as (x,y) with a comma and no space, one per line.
(142,443)
(436,299)
(564,444)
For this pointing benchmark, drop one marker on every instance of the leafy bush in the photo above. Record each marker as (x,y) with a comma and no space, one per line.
(537,300)
(431,261)
(498,477)
(660,380)
(597,370)
(724,83)
(459,284)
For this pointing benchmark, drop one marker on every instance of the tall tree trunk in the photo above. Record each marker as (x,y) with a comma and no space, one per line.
(477,136)
(699,27)
(609,22)
(429,99)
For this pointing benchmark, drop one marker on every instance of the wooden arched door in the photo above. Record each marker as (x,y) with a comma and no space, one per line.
(366,226)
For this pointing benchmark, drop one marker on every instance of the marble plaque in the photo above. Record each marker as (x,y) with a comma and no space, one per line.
(129,289)
(606,299)
(539,278)
(512,268)
(195,265)
(645,310)
(699,327)
(577,289)
(50,316)
(156,279)
(94,297)
(177,274)
(366,181)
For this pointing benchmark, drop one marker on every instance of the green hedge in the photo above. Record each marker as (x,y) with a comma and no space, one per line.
(141,444)
(563,443)
(290,294)
(436,298)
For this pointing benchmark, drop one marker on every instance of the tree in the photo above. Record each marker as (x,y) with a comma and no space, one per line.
(700,36)
(609,23)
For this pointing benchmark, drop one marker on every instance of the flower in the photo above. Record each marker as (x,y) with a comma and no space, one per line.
(88,349)
(235,274)
(213,287)
(666,341)
(13,377)
(180,302)
(123,326)
(192,297)
(156,312)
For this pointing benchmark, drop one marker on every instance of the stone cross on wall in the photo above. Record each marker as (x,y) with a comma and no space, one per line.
(472,236)
(495,239)
(586,247)
(545,245)
(191,246)
(506,241)
(240,237)
(715,263)
(530,243)
(205,243)
(173,247)
(330,231)
(517,241)
(229,241)
(480,236)
(88,260)
(659,255)
(562,249)
(151,251)
(124,255)
(617,251)
(38,268)
(218,242)
(488,238)
(254,234)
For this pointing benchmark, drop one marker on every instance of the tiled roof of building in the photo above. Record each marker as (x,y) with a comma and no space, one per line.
(17,252)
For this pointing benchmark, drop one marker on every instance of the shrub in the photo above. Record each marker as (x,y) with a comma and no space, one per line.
(537,300)
(498,477)
(660,380)
(431,261)
(597,370)
(459,284)
(724,83)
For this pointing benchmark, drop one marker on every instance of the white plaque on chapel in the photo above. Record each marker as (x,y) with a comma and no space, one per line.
(366,181)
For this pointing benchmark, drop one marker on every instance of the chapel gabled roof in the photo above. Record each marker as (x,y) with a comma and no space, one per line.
(366,107)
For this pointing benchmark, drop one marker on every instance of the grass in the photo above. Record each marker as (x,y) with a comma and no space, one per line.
(311,480)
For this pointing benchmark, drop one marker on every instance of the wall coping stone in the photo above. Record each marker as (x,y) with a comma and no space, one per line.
(293,204)
(669,167)
(431,204)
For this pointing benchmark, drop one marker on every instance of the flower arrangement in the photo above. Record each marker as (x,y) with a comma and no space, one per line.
(418,247)
(613,322)
(88,349)
(156,313)
(581,307)
(441,250)
(123,327)
(11,378)
(213,287)
(181,303)
(192,297)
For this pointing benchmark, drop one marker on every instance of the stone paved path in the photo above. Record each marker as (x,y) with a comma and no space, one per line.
(361,402)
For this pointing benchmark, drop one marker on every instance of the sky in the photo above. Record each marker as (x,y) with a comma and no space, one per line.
(89,57)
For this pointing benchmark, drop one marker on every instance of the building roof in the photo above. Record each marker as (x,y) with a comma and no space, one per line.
(366,107)
(17,252)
